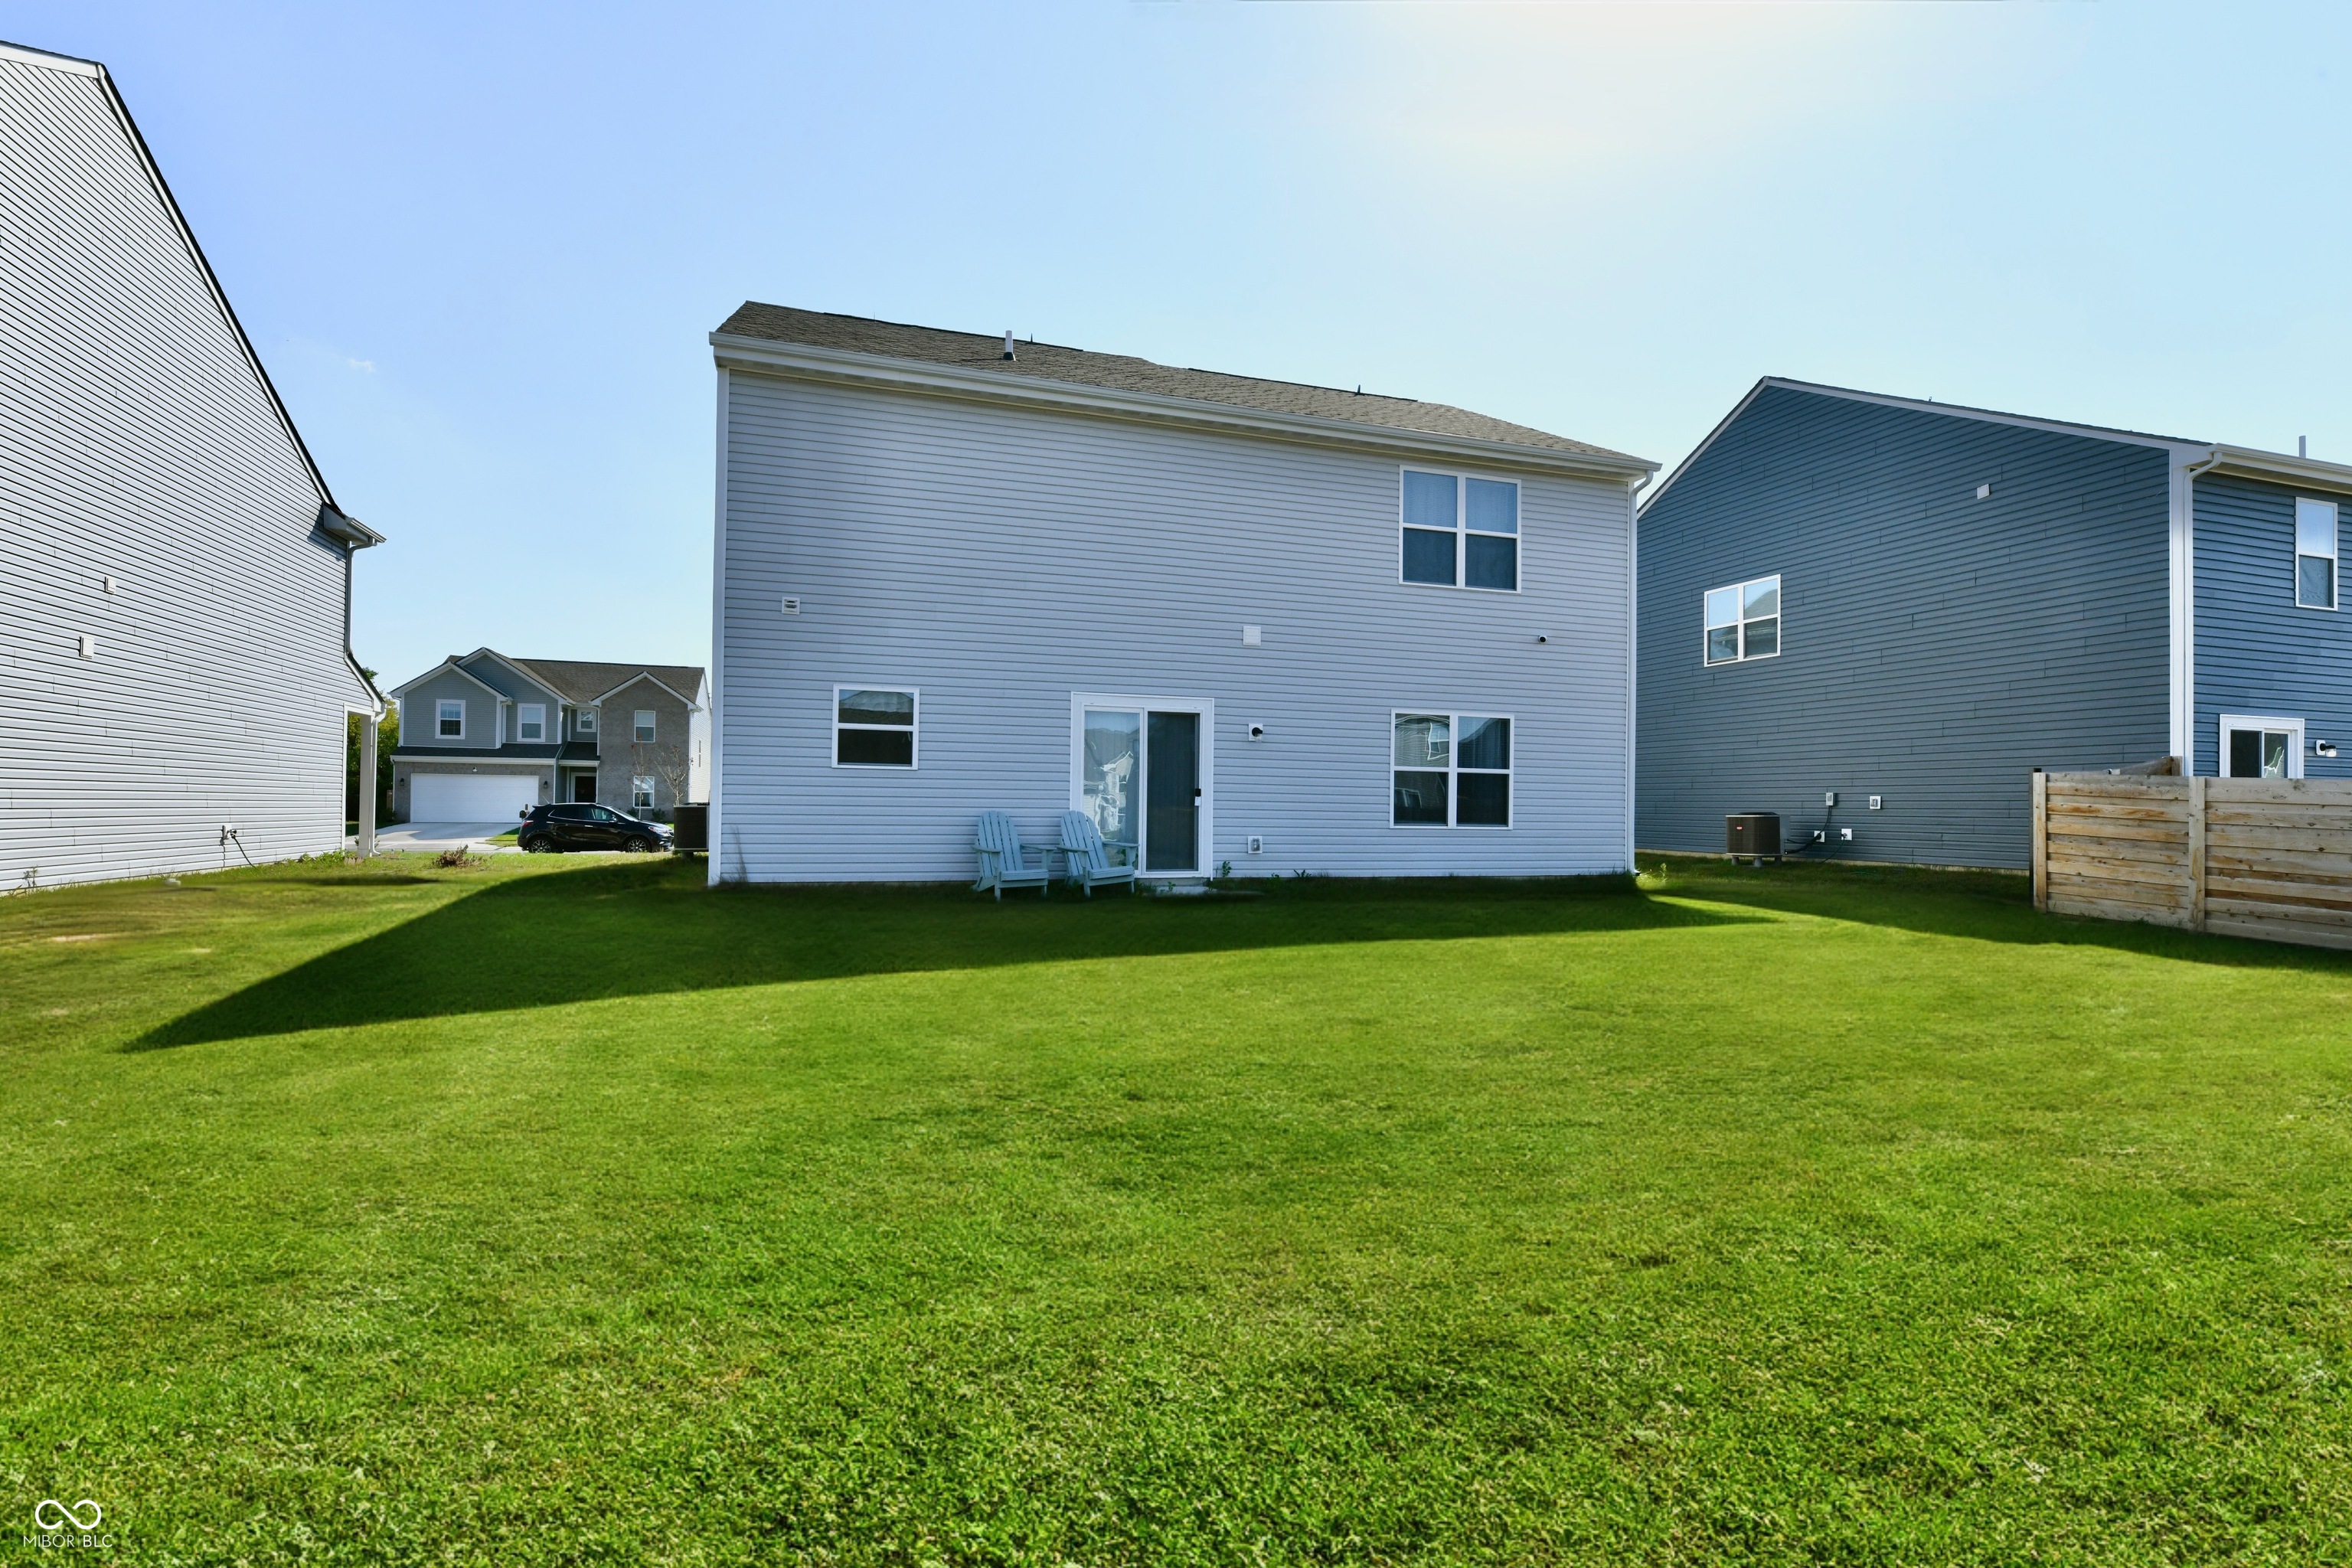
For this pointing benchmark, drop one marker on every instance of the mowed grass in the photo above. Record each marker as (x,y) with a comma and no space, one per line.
(572,1212)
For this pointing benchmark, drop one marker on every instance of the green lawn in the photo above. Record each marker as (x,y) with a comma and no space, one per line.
(542,1211)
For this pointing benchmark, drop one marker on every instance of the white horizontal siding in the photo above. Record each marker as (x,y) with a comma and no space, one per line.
(1001,559)
(137,444)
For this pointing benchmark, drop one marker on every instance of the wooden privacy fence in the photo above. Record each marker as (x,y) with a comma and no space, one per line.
(2260,858)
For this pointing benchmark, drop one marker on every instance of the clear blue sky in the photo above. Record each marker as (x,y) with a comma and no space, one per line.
(479,245)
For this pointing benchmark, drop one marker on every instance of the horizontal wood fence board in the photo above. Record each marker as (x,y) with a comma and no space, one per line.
(2276,818)
(2335,869)
(2102,890)
(2269,858)
(2116,786)
(2263,909)
(2298,932)
(2265,890)
(2112,910)
(2109,827)
(2325,793)
(2111,812)
(2091,846)
(2154,874)
(2276,840)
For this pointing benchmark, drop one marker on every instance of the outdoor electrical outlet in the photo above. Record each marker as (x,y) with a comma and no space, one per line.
(1846,834)
(1873,802)
(1830,799)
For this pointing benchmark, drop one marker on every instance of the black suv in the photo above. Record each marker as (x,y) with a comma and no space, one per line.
(552,829)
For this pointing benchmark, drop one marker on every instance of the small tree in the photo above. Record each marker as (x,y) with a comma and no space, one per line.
(664,762)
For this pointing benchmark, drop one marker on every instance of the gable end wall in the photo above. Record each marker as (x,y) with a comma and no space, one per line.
(1936,648)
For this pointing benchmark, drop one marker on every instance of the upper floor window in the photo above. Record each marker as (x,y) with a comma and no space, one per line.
(1450,769)
(2314,554)
(873,728)
(1743,621)
(587,720)
(449,719)
(1461,531)
(644,724)
(530,722)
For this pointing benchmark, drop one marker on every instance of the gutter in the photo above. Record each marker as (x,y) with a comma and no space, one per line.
(354,536)
(840,367)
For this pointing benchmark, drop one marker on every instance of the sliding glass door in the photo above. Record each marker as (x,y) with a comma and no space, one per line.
(1141,776)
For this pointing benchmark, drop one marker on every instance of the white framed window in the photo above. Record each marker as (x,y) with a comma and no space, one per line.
(1458,530)
(530,722)
(2314,554)
(2253,747)
(587,720)
(644,724)
(641,795)
(449,719)
(1449,770)
(873,727)
(1743,621)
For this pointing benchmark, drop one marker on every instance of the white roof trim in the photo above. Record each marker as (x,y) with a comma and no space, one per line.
(644,676)
(2181,451)
(25,57)
(2279,468)
(450,663)
(524,670)
(804,362)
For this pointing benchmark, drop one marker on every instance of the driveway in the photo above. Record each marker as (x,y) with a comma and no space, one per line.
(437,837)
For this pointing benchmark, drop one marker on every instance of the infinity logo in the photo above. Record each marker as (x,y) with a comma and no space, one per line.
(51,1515)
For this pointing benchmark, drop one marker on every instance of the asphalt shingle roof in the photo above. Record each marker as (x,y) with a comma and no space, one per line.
(578,680)
(1050,362)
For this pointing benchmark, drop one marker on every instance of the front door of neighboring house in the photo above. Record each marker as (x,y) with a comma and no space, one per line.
(1140,769)
(2261,748)
(584,785)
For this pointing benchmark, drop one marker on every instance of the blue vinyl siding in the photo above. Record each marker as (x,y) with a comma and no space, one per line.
(2257,651)
(1936,647)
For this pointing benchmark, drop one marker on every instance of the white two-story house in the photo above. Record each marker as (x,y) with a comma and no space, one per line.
(1288,628)
(175,576)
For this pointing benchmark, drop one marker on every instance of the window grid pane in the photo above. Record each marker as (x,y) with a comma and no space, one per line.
(1491,505)
(1429,501)
(1428,557)
(1490,561)
(2314,582)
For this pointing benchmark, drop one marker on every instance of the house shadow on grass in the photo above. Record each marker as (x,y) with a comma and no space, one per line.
(1986,906)
(634,929)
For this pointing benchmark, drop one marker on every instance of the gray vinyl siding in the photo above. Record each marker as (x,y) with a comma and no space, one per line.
(137,443)
(1000,560)
(420,709)
(1936,647)
(2257,651)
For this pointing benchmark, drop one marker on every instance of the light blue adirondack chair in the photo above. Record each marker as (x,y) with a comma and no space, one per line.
(1086,859)
(1004,860)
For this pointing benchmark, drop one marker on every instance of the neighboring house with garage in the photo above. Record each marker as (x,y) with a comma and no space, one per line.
(1286,627)
(1910,605)
(484,737)
(176,575)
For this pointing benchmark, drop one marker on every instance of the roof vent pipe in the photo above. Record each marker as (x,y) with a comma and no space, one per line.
(1008,343)
(2303,446)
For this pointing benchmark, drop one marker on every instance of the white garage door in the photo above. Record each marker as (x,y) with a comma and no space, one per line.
(470,797)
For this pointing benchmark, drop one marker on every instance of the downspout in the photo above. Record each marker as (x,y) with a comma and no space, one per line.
(2187,565)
